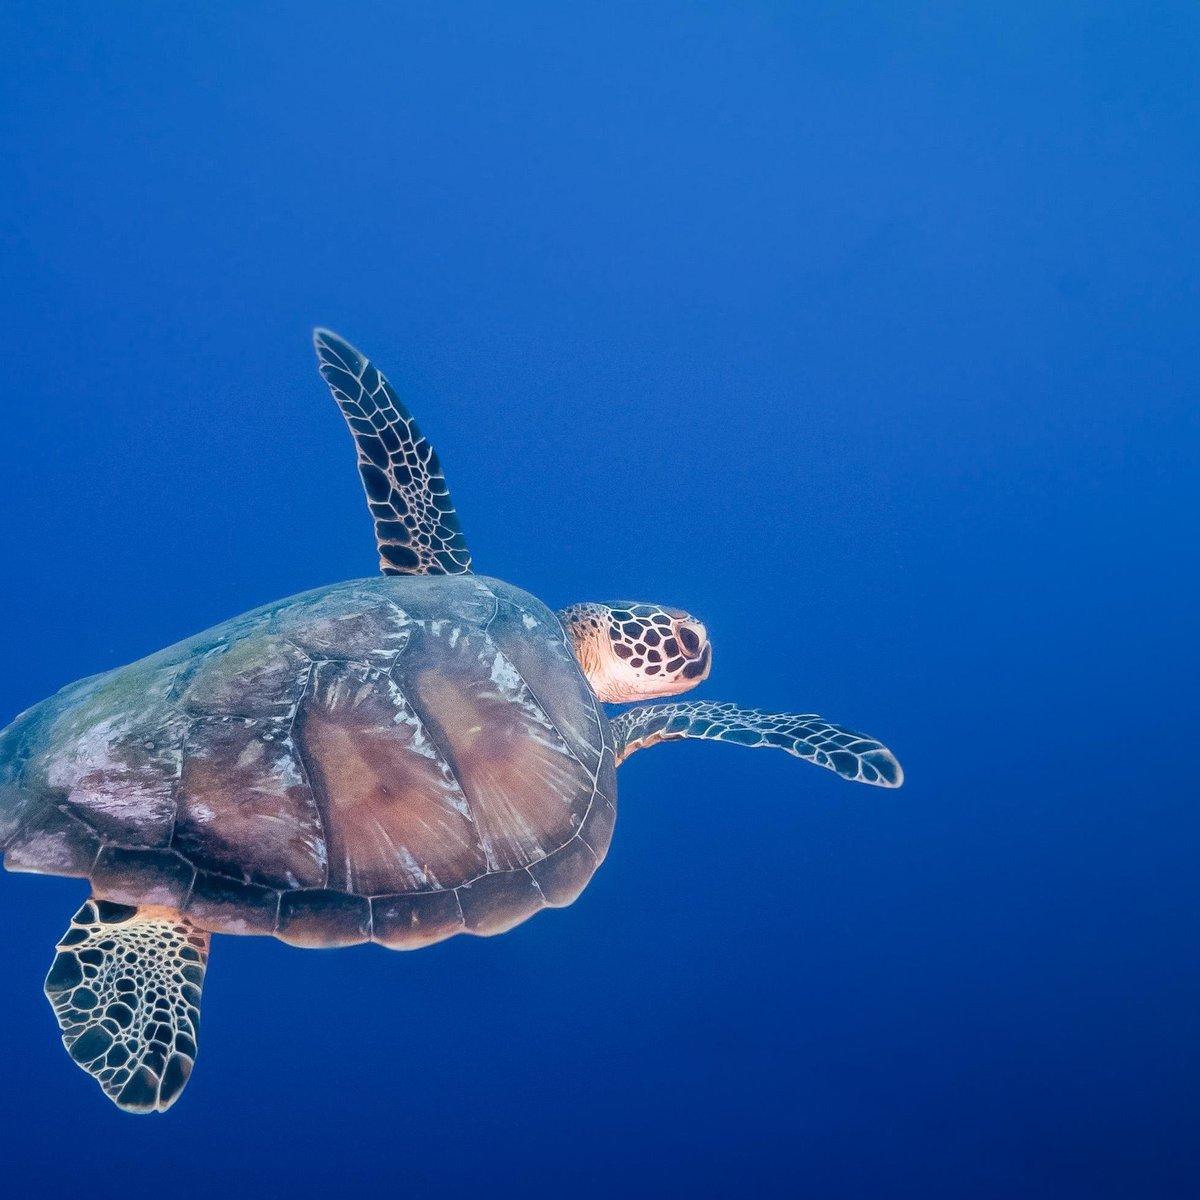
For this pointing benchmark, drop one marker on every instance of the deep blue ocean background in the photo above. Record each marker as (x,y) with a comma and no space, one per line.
(868,333)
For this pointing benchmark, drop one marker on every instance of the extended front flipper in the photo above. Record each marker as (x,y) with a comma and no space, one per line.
(853,756)
(416,526)
(126,990)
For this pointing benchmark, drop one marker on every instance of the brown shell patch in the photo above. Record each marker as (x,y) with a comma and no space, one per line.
(245,808)
(395,818)
(525,787)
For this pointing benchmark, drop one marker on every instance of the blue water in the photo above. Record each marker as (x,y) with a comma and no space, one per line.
(866,332)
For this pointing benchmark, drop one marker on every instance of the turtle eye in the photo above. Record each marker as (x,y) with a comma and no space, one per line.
(691,637)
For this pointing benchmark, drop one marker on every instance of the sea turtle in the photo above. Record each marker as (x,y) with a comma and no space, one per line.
(392,760)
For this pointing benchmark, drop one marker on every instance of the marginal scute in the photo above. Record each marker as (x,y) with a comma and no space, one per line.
(597,827)
(318,919)
(227,906)
(565,874)
(142,877)
(497,902)
(407,922)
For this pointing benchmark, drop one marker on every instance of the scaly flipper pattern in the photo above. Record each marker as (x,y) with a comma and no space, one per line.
(853,756)
(126,990)
(416,526)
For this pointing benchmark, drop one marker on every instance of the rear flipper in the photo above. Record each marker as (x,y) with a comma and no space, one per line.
(126,990)
(853,756)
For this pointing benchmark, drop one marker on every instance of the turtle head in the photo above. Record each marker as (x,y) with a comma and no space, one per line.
(631,651)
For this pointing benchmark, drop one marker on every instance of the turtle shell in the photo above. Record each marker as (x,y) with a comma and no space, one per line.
(394,760)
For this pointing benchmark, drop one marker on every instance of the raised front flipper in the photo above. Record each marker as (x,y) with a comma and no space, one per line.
(416,526)
(853,756)
(126,990)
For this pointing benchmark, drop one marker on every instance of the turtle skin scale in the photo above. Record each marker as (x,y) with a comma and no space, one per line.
(393,760)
